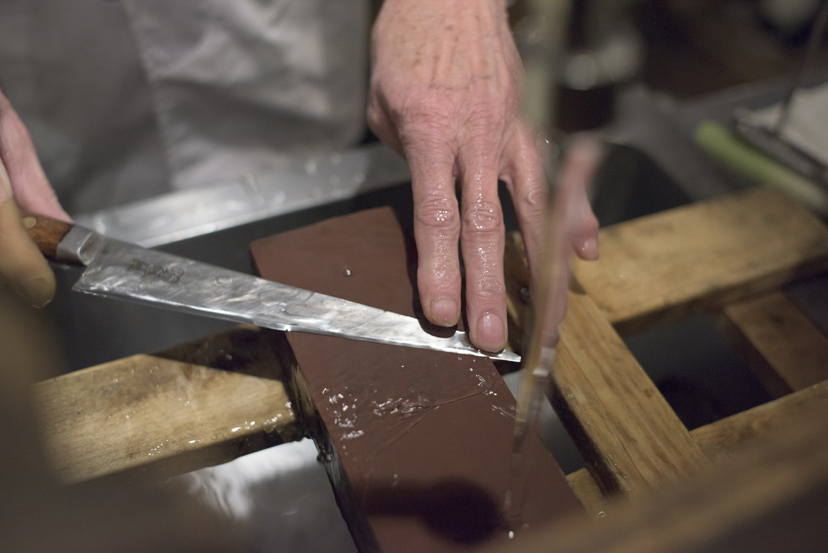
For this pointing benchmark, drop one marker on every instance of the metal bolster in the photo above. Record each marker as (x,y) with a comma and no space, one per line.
(79,246)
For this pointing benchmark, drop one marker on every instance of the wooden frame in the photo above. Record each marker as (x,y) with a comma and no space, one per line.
(728,257)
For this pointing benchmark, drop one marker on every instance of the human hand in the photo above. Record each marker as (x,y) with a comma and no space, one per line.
(23,182)
(444,92)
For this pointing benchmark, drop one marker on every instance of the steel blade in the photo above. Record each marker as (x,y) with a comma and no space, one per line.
(121,270)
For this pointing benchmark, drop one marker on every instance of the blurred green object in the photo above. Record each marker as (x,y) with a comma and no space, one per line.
(732,152)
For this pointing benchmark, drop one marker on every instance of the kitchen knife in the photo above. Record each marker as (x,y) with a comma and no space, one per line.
(121,270)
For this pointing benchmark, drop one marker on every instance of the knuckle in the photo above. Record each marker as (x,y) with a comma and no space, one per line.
(376,119)
(490,106)
(485,117)
(424,108)
(374,113)
(440,276)
(483,217)
(489,285)
(426,130)
(532,200)
(438,213)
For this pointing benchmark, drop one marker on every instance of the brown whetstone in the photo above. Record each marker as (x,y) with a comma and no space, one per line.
(418,441)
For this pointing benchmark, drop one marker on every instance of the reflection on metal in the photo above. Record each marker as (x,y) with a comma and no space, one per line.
(308,183)
(120,270)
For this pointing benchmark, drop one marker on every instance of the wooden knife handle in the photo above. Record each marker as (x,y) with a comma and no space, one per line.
(45,231)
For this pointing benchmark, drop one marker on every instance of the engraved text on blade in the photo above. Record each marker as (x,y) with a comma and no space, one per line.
(165,273)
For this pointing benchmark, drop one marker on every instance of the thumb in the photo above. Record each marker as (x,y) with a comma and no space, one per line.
(21,263)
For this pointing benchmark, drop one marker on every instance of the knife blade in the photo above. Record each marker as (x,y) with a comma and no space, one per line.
(117,269)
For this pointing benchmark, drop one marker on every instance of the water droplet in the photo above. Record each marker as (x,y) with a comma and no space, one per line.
(511,535)
(346,272)
(601,514)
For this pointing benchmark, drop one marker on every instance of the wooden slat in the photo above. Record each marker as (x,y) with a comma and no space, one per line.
(664,266)
(588,491)
(629,436)
(187,407)
(723,438)
(773,497)
(518,302)
(625,429)
(784,348)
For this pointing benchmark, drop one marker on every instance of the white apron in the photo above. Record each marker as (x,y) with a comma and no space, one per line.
(128,99)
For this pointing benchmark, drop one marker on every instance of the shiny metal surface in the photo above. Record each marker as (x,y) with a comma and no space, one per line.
(79,246)
(129,272)
(306,183)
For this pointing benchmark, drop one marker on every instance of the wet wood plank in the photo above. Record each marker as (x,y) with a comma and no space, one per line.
(771,497)
(726,437)
(518,300)
(629,436)
(184,408)
(588,491)
(662,267)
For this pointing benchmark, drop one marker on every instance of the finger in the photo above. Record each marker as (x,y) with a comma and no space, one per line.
(579,167)
(482,238)
(525,179)
(21,264)
(436,232)
(30,186)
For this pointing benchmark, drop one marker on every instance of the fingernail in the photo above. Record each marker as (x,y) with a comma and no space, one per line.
(445,311)
(491,332)
(39,291)
(589,249)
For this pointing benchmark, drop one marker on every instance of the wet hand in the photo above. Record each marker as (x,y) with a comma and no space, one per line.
(444,92)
